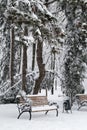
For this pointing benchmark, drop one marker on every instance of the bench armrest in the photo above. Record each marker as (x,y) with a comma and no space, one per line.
(53,103)
(24,107)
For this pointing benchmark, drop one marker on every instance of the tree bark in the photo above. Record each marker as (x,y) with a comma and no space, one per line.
(33,56)
(41,67)
(12,56)
(24,67)
(53,67)
(24,64)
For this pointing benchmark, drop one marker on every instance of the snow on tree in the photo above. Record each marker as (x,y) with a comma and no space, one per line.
(76,46)
(4,44)
(20,14)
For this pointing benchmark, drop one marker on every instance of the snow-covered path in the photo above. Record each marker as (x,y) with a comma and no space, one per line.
(75,121)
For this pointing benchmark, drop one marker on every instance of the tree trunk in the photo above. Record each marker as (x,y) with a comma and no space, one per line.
(12,56)
(53,67)
(24,67)
(33,56)
(24,64)
(41,67)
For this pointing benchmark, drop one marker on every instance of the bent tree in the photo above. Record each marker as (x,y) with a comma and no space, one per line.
(41,66)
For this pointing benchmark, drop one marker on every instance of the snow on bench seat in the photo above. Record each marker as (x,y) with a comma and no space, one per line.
(43,108)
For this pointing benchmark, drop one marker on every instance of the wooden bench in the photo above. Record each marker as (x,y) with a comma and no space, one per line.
(81,100)
(38,104)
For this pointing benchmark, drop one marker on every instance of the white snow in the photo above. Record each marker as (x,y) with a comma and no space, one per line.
(65,121)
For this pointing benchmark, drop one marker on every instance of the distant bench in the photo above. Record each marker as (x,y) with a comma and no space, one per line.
(81,100)
(38,104)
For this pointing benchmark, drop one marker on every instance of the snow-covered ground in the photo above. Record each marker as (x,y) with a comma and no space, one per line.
(65,121)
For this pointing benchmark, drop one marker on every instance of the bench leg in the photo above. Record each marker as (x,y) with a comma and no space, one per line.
(56,112)
(46,112)
(20,115)
(81,105)
(30,115)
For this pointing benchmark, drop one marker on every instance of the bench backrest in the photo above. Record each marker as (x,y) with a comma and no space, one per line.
(39,100)
(36,100)
(81,97)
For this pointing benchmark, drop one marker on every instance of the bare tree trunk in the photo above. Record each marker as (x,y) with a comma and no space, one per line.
(20,53)
(33,56)
(24,67)
(12,56)
(53,67)
(41,67)
(24,64)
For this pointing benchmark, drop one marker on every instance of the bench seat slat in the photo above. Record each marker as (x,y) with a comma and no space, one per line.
(43,108)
